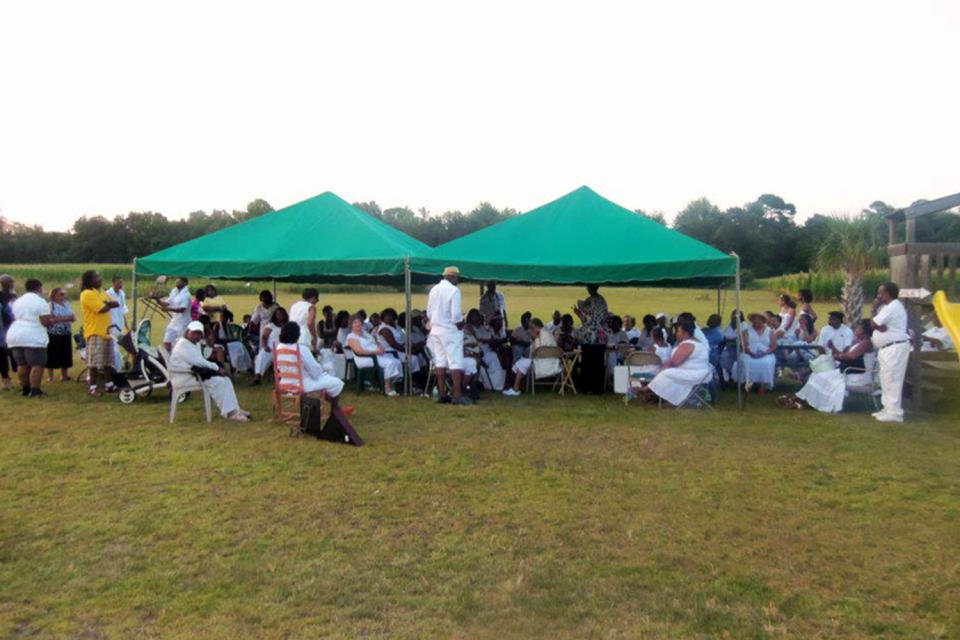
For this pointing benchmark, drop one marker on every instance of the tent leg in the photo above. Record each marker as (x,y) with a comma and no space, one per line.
(133,285)
(719,310)
(275,291)
(408,378)
(740,398)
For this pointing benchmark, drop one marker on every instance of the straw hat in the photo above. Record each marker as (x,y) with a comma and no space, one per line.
(450,271)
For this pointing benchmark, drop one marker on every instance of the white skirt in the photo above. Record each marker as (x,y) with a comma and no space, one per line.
(263,362)
(495,375)
(392,369)
(824,391)
(239,358)
(675,384)
(758,370)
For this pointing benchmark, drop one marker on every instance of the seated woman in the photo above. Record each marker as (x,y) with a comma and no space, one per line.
(312,374)
(788,312)
(236,351)
(805,297)
(394,342)
(826,390)
(471,361)
(687,367)
(660,345)
(616,337)
(758,363)
(365,348)
(542,367)
(714,337)
(566,335)
(731,333)
(269,337)
(342,321)
(209,347)
(327,328)
(489,343)
(804,333)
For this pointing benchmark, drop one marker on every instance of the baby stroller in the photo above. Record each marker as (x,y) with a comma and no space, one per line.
(149,371)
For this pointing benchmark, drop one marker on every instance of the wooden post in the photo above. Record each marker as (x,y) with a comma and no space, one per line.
(911,230)
(892,228)
(408,377)
(133,284)
(740,398)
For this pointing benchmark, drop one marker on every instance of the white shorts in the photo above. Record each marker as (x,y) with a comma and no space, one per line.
(447,349)
(173,333)
(522,366)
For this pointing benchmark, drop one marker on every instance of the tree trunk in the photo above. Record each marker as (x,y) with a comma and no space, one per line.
(851,298)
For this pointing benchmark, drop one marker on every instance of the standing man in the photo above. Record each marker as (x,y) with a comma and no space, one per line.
(118,318)
(97,310)
(445,322)
(492,303)
(304,313)
(892,344)
(178,305)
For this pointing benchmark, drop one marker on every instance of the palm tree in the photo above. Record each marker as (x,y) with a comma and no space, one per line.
(853,247)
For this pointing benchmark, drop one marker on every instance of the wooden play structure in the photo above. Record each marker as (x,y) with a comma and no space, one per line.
(917,266)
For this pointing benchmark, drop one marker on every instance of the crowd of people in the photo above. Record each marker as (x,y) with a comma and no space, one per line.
(478,351)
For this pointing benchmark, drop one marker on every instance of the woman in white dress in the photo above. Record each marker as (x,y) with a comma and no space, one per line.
(731,333)
(788,312)
(758,363)
(269,336)
(542,367)
(826,390)
(495,374)
(660,345)
(688,366)
(394,340)
(312,375)
(365,348)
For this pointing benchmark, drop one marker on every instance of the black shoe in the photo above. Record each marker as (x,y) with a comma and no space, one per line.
(463,401)
(36,393)
(25,391)
(445,400)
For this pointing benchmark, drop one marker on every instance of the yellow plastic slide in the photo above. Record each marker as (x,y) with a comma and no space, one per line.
(949,315)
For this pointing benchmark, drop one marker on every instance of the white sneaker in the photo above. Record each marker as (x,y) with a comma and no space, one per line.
(886,417)
(511,392)
(392,394)
(238,417)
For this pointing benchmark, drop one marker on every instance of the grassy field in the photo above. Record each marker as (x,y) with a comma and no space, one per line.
(531,517)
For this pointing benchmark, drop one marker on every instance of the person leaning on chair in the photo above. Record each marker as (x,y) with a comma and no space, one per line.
(892,343)
(186,359)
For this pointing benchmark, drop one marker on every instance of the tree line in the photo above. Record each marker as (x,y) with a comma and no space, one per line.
(763,232)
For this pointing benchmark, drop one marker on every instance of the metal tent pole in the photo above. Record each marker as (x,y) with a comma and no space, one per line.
(275,292)
(133,284)
(408,376)
(740,398)
(719,310)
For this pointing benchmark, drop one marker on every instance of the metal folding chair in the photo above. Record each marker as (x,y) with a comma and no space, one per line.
(545,353)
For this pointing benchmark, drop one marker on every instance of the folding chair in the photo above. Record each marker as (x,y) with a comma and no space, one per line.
(859,386)
(622,351)
(569,362)
(699,394)
(643,364)
(545,353)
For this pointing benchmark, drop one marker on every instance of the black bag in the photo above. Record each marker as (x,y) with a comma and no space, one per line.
(336,429)
(205,374)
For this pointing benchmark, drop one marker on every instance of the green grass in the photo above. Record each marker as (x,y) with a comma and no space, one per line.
(530,517)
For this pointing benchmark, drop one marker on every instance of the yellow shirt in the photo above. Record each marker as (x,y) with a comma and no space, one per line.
(216,301)
(94,322)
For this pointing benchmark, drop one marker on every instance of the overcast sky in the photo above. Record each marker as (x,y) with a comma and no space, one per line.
(108,107)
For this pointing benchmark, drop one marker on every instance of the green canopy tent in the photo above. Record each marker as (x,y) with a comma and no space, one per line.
(321,239)
(582,238)
(579,238)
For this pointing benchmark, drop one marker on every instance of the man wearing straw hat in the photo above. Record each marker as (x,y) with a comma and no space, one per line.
(445,341)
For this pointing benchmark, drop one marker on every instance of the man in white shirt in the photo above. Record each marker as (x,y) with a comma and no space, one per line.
(492,303)
(118,318)
(445,341)
(835,335)
(892,344)
(304,313)
(177,305)
(186,354)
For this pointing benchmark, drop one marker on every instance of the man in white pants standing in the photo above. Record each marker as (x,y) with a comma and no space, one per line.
(892,344)
(118,319)
(445,341)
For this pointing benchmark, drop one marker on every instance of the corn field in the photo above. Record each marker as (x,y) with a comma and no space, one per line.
(824,285)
